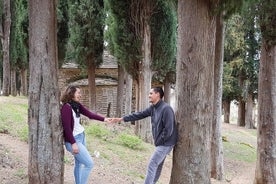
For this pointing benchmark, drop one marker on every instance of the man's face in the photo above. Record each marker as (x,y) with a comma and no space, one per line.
(153,97)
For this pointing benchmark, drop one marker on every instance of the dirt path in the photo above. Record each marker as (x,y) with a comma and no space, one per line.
(14,162)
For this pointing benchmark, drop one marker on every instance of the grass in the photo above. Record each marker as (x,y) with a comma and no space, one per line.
(119,144)
(13,116)
(114,145)
(240,144)
(240,152)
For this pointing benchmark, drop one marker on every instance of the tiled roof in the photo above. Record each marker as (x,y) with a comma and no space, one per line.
(109,61)
(99,82)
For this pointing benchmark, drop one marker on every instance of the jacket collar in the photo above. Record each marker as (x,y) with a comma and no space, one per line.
(158,103)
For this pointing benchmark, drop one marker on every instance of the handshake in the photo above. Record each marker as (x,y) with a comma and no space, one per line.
(113,120)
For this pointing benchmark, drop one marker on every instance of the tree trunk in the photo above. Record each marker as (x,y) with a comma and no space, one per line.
(24,82)
(136,105)
(266,151)
(167,90)
(6,47)
(143,127)
(91,69)
(13,82)
(128,93)
(194,92)
(45,130)
(241,113)
(120,92)
(249,122)
(216,138)
(226,111)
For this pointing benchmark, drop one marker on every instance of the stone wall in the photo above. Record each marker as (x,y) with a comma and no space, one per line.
(106,86)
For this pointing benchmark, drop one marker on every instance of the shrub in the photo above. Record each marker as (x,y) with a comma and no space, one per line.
(97,131)
(130,141)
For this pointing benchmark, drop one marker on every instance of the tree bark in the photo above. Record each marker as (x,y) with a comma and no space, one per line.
(91,69)
(143,127)
(13,82)
(266,151)
(6,47)
(249,122)
(241,113)
(24,82)
(167,90)
(45,130)
(226,110)
(217,168)
(128,93)
(120,91)
(194,92)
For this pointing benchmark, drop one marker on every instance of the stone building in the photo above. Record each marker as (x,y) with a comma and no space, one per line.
(106,83)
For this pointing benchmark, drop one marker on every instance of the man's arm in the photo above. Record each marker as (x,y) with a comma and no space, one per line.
(134,116)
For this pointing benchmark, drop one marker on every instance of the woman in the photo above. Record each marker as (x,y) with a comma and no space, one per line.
(74,132)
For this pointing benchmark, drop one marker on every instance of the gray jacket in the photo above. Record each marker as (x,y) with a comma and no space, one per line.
(162,120)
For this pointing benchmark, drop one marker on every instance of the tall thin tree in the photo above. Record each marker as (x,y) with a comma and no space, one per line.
(143,36)
(85,43)
(6,47)
(45,130)
(217,166)
(266,150)
(194,92)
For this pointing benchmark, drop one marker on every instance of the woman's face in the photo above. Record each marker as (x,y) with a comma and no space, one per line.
(77,95)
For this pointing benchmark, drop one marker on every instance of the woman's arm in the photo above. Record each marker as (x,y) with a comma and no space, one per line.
(90,114)
(66,118)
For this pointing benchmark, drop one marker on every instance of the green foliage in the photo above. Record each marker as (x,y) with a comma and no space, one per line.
(163,38)
(230,7)
(122,37)
(1,11)
(62,25)
(267,20)
(234,45)
(241,54)
(100,131)
(97,131)
(86,24)
(234,54)
(252,49)
(125,35)
(231,89)
(130,141)
(19,34)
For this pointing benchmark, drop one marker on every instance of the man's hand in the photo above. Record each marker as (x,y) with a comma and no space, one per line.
(116,120)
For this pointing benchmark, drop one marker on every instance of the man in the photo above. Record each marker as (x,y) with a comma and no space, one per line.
(163,130)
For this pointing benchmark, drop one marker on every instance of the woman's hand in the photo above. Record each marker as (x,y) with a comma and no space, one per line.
(116,120)
(75,149)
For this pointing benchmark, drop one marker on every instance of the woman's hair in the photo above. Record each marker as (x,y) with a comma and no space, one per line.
(159,90)
(68,95)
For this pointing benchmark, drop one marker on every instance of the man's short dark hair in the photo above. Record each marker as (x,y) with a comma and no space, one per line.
(159,90)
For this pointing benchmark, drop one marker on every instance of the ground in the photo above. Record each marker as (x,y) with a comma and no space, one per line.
(14,161)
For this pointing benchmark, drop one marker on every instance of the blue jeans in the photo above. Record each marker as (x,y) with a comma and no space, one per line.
(156,163)
(83,160)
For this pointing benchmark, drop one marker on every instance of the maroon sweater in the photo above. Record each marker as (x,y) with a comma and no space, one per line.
(68,120)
